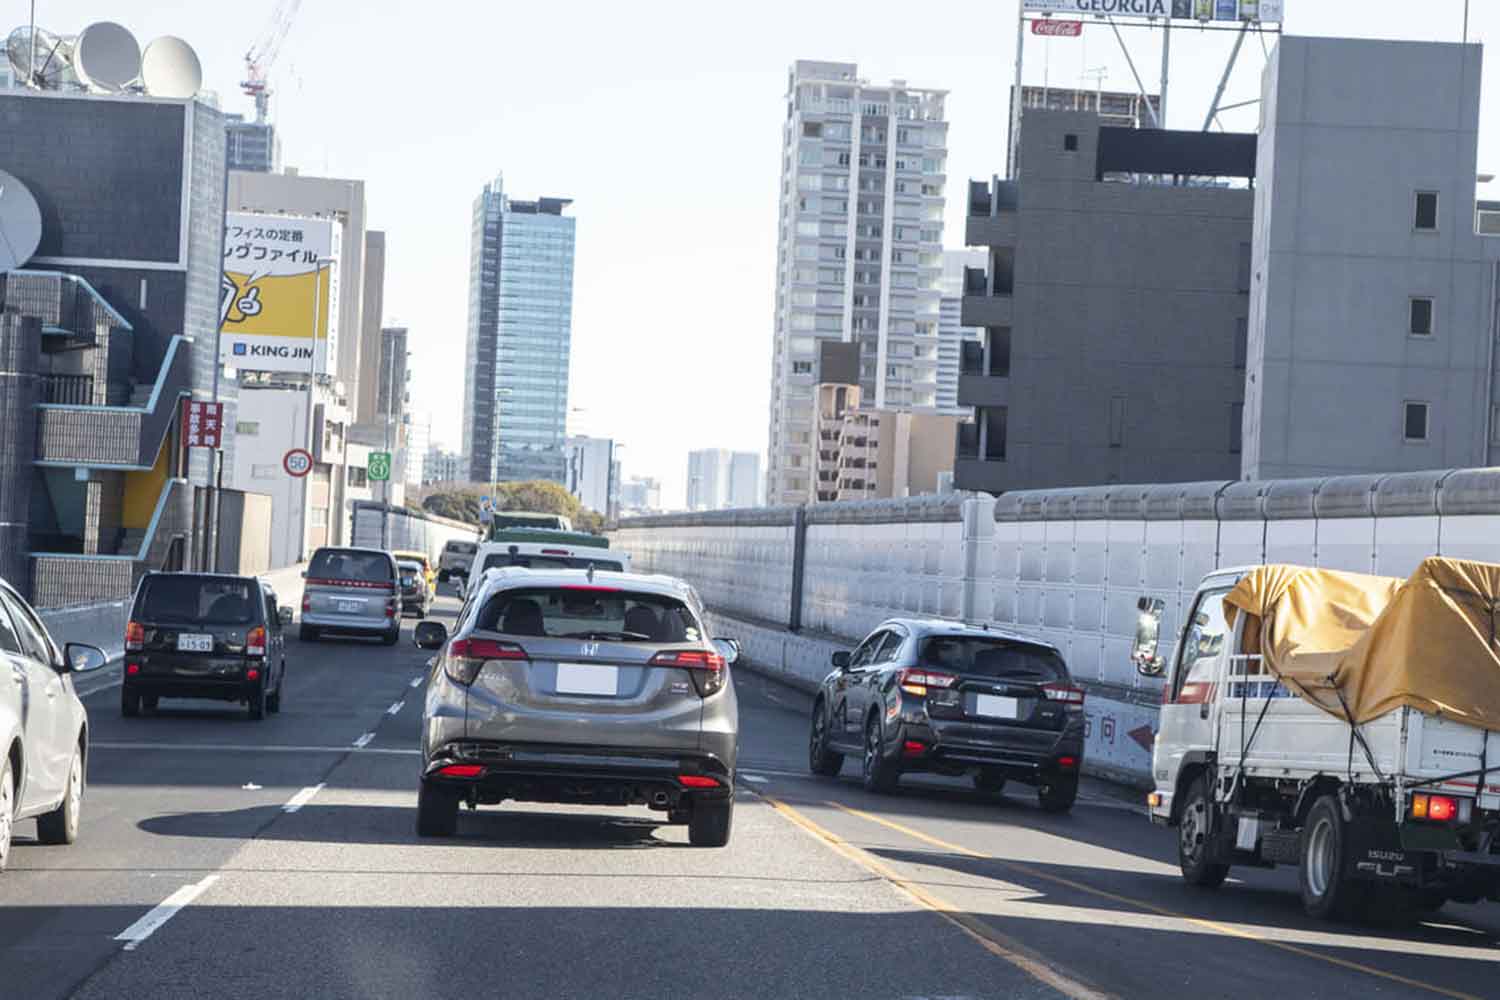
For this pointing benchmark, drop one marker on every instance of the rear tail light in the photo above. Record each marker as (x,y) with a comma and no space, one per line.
(697,781)
(1069,695)
(1067,763)
(255,642)
(461,770)
(132,668)
(390,608)
(466,656)
(913,748)
(135,637)
(706,668)
(252,674)
(306,602)
(916,682)
(1441,808)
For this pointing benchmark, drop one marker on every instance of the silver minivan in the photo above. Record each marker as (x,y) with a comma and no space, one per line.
(580,687)
(351,591)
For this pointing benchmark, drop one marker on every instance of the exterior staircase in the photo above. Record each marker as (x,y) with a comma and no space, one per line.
(140,395)
(130,541)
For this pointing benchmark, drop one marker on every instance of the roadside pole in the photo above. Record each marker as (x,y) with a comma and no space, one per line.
(312,366)
(210,559)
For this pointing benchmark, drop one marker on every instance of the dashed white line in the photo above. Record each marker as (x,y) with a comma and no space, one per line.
(162,912)
(395,707)
(363,740)
(302,798)
(244,748)
(755,778)
(416,681)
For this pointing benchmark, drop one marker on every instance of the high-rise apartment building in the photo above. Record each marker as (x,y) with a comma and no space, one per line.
(859,256)
(593,470)
(951,331)
(418,441)
(718,478)
(520,329)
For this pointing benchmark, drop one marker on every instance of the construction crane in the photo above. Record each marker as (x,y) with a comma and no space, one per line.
(262,55)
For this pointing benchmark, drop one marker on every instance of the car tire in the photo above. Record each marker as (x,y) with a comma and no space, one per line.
(437,811)
(393,636)
(820,759)
(710,821)
(989,783)
(442,576)
(258,703)
(130,703)
(1322,871)
(1192,840)
(1057,795)
(149,703)
(879,775)
(273,703)
(7,810)
(307,633)
(60,826)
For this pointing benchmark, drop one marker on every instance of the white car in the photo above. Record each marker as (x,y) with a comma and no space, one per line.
(561,554)
(43,724)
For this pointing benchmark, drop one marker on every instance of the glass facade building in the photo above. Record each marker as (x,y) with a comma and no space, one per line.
(520,332)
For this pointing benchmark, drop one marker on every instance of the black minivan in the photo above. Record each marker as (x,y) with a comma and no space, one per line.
(205,635)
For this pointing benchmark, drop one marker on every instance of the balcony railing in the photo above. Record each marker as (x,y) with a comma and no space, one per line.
(65,303)
(68,390)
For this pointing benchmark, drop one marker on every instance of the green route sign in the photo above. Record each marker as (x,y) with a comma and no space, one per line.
(380,466)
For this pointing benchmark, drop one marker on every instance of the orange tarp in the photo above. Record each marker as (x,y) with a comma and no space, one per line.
(1427,642)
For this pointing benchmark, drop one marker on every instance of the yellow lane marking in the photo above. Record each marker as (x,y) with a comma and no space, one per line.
(1212,925)
(985,936)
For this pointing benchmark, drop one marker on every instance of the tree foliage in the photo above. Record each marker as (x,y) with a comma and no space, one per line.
(461,502)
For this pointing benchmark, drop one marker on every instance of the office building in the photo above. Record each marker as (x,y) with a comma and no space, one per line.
(593,473)
(1114,307)
(859,253)
(253,146)
(372,321)
(952,334)
(114,315)
(442,466)
(718,479)
(640,495)
(1372,305)
(519,337)
(418,441)
(391,397)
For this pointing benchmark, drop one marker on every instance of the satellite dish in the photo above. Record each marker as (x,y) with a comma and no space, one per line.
(39,58)
(107,57)
(170,68)
(20,223)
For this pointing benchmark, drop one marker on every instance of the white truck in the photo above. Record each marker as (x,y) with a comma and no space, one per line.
(1382,799)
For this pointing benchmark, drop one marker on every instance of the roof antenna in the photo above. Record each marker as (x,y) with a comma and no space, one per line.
(591,571)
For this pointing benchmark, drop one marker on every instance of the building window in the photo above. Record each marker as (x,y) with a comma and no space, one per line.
(1427,211)
(995,419)
(1421,317)
(318,517)
(249,428)
(812,130)
(1070,142)
(1117,422)
(1241,341)
(358,476)
(1416,421)
(1236,427)
(801,367)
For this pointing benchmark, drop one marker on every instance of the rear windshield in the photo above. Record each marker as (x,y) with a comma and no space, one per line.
(198,599)
(585,613)
(496,559)
(462,548)
(346,564)
(409,568)
(998,658)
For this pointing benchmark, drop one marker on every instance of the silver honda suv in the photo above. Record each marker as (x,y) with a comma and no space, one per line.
(580,687)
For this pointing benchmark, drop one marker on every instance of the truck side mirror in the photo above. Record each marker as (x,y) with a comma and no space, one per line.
(1148,637)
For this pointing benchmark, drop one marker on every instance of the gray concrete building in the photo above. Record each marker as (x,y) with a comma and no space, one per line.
(1114,308)
(1372,310)
(371,320)
(253,146)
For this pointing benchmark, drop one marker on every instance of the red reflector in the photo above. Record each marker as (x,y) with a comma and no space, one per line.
(255,642)
(132,668)
(697,781)
(135,636)
(252,674)
(1441,809)
(913,748)
(1067,763)
(486,649)
(462,770)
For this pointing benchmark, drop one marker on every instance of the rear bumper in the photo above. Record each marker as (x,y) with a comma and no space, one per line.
(550,772)
(347,625)
(166,686)
(1027,759)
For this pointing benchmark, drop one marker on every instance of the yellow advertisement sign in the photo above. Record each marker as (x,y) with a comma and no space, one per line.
(279,293)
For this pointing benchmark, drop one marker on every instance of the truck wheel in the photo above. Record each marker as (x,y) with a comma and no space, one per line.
(1327,891)
(820,759)
(1192,840)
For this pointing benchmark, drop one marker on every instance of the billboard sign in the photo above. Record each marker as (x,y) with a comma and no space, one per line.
(202,423)
(279,293)
(1185,10)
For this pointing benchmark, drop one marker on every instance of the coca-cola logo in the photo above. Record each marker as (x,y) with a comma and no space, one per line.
(1058,29)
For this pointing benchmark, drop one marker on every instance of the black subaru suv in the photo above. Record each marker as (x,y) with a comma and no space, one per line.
(954,699)
(204,635)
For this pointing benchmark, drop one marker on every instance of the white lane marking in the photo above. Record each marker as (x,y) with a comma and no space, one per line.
(302,798)
(396,706)
(755,778)
(244,748)
(162,912)
(366,738)
(416,681)
(251,786)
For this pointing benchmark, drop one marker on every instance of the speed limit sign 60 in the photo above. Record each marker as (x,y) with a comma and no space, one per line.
(297,462)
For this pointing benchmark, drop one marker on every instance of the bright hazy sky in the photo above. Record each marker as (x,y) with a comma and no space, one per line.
(661,120)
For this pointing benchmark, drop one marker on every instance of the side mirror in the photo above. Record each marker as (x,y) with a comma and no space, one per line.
(1148,637)
(729,649)
(429,635)
(81,658)
(284,614)
(841,659)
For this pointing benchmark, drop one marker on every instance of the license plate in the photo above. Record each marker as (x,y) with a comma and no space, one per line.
(587,678)
(195,642)
(996,706)
(351,607)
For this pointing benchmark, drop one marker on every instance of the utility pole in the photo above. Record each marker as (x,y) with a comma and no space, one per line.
(312,367)
(388,348)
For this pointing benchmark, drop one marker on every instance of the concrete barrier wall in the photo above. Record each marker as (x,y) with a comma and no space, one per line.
(409,530)
(1067,566)
(101,625)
